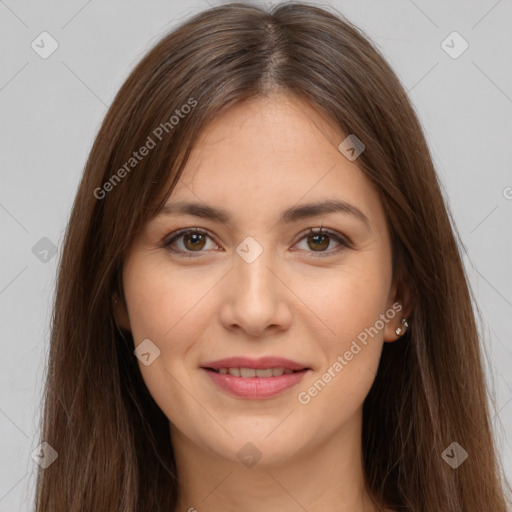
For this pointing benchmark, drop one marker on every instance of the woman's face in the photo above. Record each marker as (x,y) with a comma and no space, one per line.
(258,284)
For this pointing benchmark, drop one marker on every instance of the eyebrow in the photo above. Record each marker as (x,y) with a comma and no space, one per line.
(288,216)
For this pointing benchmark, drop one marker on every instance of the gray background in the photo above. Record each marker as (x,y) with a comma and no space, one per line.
(52,108)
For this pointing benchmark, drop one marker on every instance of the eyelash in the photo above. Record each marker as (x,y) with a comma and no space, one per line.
(343,241)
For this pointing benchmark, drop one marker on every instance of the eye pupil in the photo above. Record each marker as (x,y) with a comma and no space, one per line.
(196,237)
(324,237)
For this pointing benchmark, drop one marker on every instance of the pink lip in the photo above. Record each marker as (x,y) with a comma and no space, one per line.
(262,363)
(254,387)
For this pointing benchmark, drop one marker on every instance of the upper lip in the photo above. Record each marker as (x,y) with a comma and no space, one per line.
(261,363)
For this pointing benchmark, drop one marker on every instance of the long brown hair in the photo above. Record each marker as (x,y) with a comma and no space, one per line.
(113,442)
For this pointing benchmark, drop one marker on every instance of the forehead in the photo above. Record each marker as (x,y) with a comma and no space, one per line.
(269,153)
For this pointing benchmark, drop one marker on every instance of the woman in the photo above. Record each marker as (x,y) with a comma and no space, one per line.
(261,300)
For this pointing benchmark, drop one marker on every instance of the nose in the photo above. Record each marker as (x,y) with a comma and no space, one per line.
(256,298)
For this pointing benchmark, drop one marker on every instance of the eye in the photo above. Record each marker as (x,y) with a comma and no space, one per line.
(193,240)
(319,240)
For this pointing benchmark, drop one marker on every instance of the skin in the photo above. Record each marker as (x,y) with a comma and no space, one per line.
(255,160)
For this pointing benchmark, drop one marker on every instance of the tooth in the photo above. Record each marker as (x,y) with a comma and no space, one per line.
(264,373)
(252,372)
(277,372)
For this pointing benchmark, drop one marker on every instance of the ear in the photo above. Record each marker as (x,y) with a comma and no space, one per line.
(121,312)
(401,304)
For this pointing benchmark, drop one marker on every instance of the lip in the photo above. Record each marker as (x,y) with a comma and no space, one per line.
(255,387)
(261,363)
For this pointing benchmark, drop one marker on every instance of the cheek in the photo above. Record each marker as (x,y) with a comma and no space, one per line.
(168,309)
(349,300)
(164,305)
(350,305)
(337,390)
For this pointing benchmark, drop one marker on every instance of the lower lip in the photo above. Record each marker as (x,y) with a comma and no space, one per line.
(255,387)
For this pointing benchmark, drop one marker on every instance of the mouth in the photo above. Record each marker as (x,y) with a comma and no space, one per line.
(247,364)
(260,373)
(255,379)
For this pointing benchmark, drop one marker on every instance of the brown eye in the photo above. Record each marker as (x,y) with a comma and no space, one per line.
(194,241)
(188,241)
(319,242)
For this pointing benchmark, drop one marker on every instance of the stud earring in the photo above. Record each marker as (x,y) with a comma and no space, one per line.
(401,330)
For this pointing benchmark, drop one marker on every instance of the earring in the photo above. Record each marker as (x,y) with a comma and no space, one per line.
(401,330)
